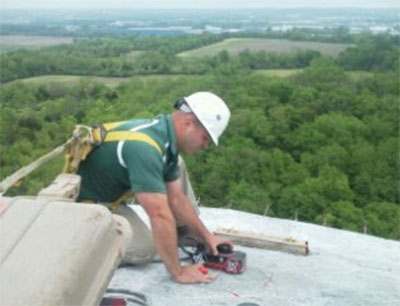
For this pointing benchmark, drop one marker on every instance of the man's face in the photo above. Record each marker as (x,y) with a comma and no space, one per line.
(195,137)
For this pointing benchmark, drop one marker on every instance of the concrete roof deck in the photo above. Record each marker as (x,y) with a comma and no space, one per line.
(343,268)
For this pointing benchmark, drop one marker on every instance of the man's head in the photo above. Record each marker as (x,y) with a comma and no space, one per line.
(199,118)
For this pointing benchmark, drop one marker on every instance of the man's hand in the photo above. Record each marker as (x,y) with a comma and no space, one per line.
(183,211)
(213,241)
(193,274)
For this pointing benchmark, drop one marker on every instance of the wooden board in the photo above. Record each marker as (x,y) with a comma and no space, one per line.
(259,240)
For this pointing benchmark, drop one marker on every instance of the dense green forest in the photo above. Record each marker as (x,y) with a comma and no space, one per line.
(319,146)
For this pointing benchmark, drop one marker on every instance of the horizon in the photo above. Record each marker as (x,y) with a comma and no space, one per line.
(204,4)
(202,8)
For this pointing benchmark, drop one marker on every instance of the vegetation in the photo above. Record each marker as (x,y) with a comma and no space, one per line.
(236,45)
(124,57)
(58,84)
(319,145)
(15,42)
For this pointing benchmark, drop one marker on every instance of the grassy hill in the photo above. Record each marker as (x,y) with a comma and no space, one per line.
(65,81)
(70,80)
(15,42)
(283,73)
(236,45)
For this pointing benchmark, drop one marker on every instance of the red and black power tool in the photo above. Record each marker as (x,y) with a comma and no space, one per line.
(233,262)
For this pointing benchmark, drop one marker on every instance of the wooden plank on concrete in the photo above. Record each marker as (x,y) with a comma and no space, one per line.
(259,240)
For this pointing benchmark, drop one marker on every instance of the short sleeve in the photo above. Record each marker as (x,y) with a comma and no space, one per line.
(172,172)
(145,167)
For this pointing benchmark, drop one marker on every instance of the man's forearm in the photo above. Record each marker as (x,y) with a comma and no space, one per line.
(163,228)
(164,234)
(183,210)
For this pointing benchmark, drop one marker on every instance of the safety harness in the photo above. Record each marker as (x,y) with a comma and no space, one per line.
(77,148)
(89,138)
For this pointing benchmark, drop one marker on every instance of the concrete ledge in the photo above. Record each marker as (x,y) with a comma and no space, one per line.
(57,253)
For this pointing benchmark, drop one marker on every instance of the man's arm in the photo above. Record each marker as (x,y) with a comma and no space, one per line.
(164,233)
(183,210)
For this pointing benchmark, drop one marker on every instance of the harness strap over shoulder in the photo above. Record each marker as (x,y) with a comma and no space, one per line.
(129,135)
(104,133)
(94,137)
(97,135)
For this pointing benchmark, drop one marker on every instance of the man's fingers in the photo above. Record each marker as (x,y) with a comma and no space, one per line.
(195,274)
(206,277)
(203,270)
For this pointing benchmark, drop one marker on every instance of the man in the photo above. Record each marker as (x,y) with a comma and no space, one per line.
(149,169)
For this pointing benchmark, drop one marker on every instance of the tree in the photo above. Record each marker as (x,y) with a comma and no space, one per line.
(247,197)
(383,219)
(323,74)
(378,52)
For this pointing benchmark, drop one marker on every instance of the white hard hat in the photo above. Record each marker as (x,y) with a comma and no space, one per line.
(211,111)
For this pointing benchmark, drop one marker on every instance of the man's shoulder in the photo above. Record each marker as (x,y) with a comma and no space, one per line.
(159,129)
(142,147)
(159,135)
(159,123)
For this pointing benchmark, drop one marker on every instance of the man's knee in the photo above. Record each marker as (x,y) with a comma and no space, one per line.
(140,254)
(140,246)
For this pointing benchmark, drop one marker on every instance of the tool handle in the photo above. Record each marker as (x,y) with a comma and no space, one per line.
(224,248)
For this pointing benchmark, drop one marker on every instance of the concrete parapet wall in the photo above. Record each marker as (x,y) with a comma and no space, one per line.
(57,253)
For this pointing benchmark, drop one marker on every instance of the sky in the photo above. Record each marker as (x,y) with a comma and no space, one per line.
(165,4)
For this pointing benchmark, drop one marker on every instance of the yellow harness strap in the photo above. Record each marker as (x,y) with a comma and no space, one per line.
(111,125)
(126,196)
(83,146)
(114,205)
(103,134)
(128,135)
(98,135)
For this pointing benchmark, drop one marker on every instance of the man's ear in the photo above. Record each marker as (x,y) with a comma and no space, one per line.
(187,120)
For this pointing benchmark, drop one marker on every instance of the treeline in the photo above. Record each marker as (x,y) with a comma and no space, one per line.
(335,35)
(118,46)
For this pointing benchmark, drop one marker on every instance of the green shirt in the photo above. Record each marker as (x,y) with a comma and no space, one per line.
(115,168)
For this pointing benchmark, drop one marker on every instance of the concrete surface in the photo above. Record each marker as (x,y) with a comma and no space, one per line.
(343,268)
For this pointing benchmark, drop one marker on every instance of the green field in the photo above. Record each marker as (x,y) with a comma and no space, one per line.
(283,73)
(68,80)
(236,45)
(14,42)
(133,54)
(356,75)
(71,80)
